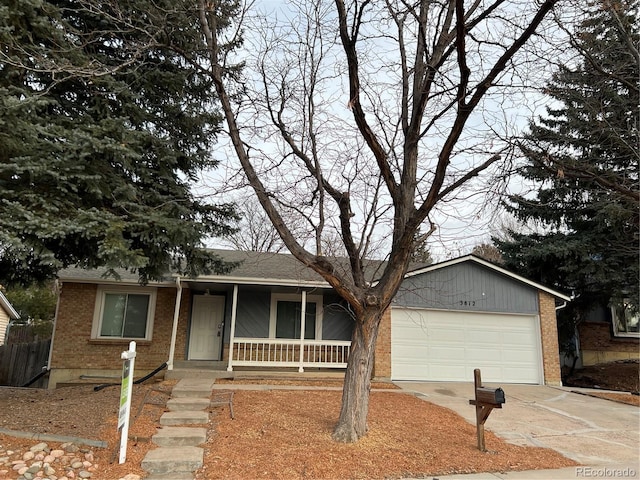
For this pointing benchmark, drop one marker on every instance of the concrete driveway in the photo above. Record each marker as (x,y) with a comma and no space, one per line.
(589,430)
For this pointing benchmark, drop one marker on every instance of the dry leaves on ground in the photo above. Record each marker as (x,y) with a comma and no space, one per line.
(276,434)
(287,435)
(81,412)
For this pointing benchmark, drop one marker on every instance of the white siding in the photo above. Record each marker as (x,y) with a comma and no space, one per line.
(4,321)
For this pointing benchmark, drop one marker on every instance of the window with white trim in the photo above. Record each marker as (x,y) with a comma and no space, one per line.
(286,312)
(626,319)
(123,313)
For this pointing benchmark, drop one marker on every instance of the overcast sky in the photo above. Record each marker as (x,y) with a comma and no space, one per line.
(463,222)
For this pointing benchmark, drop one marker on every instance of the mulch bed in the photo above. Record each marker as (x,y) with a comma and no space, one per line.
(287,435)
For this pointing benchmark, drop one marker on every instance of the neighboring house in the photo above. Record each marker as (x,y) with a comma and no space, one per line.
(447,320)
(7,313)
(609,334)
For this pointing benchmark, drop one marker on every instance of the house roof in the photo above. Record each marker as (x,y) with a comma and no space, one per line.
(4,303)
(262,268)
(265,268)
(279,269)
(487,264)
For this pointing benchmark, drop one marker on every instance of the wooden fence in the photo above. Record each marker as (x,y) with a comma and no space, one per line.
(20,362)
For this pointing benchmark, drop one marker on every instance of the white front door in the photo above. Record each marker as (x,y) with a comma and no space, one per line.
(207,322)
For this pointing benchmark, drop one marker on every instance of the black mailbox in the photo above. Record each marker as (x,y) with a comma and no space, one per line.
(491,396)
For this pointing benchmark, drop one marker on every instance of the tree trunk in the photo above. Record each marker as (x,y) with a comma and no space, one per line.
(352,423)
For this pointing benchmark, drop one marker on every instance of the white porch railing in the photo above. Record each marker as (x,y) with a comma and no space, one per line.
(279,352)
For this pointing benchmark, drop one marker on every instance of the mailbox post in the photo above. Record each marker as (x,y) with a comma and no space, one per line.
(486,399)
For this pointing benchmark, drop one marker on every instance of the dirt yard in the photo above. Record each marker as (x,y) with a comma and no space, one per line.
(622,376)
(276,430)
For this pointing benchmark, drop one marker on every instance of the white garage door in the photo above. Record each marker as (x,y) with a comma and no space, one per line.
(431,345)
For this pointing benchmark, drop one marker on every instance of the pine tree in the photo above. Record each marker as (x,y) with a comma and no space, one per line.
(103,130)
(420,252)
(584,156)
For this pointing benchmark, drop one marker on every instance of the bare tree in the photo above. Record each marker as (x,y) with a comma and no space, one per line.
(254,233)
(375,115)
(488,252)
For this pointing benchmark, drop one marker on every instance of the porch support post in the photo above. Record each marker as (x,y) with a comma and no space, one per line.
(303,317)
(174,329)
(232,332)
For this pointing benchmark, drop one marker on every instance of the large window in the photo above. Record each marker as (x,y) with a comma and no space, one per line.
(286,314)
(124,314)
(626,319)
(288,322)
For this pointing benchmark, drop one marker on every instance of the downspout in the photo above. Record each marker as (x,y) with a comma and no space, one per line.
(576,337)
(303,321)
(232,333)
(575,333)
(174,330)
(58,289)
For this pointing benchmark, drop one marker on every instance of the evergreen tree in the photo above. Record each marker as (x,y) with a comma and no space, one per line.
(103,130)
(36,305)
(584,156)
(420,252)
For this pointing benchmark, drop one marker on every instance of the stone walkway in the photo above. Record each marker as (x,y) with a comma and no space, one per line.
(184,427)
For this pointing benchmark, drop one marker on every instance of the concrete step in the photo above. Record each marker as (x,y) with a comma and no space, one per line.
(193,388)
(172,476)
(180,373)
(166,460)
(188,404)
(180,436)
(184,418)
(202,364)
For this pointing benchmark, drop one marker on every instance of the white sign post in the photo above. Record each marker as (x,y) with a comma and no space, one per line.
(126,391)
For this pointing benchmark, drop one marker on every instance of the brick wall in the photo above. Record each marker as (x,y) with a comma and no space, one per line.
(598,345)
(549,339)
(73,349)
(382,362)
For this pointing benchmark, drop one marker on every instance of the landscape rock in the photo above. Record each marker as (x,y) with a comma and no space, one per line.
(69,462)
(130,476)
(40,447)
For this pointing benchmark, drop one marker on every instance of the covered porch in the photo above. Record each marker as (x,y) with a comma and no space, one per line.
(264,325)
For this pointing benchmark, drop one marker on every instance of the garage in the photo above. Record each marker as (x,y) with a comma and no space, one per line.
(437,345)
(450,318)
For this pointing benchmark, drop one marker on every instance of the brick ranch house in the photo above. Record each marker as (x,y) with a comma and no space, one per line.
(446,320)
